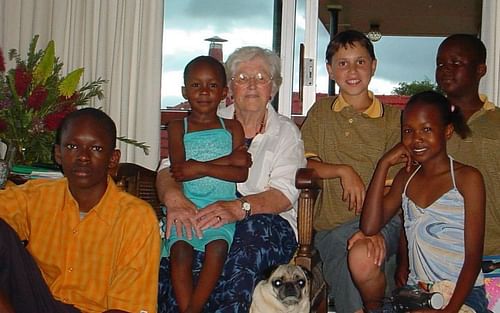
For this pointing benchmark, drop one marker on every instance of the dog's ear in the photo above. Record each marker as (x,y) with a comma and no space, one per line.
(307,272)
(269,271)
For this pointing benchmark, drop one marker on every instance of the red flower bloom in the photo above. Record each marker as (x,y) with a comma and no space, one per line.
(2,62)
(37,98)
(68,101)
(3,125)
(53,120)
(22,80)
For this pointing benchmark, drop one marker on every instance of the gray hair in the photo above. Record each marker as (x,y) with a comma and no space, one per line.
(248,53)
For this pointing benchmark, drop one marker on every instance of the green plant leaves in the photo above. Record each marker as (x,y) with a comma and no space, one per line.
(44,68)
(68,85)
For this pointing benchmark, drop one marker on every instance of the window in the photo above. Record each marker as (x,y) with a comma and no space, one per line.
(279,25)
(187,25)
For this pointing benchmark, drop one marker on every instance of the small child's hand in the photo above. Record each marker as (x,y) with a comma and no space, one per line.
(240,157)
(188,170)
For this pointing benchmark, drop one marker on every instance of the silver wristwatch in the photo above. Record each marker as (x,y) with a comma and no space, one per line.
(245,206)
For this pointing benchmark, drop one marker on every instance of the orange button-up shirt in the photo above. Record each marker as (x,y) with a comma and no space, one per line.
(107,260)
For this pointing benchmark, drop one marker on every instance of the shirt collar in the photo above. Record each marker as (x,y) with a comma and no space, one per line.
(375,110)
(272,116)
(488,105)
(106,207)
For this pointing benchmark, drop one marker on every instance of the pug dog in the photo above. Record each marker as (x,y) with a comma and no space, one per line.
(285,291)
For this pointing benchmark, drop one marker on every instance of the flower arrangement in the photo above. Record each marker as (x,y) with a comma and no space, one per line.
(35,97)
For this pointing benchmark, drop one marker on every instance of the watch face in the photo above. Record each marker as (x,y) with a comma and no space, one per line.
(246,206)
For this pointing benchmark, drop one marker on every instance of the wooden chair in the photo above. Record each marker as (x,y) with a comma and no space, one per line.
(309,185)
(140,182)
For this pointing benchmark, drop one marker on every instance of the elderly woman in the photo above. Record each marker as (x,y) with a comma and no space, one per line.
(265,213)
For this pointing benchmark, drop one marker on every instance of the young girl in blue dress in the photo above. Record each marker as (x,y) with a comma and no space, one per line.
(198,145)
(443,202)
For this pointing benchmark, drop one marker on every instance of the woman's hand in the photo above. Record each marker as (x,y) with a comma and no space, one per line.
(182,213)
(354,188)
(219,213)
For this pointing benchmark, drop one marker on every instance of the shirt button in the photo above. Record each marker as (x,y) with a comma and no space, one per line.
(347,134)
(70,269)
(65,299)
(75,231)
(351,120)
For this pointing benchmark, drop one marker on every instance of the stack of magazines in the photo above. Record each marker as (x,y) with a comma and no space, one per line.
(33,172)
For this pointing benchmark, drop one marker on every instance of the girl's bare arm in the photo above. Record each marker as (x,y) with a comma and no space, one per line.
(377,208)
(471,185)
(191,169)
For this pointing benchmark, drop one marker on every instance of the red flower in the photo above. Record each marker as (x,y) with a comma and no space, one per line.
(68,102)
(53,120)
(2,62)
(22,80)
(3,125)
(37,98)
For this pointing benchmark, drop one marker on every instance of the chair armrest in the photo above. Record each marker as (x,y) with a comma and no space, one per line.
(140,182)
(307,178)
(308,182)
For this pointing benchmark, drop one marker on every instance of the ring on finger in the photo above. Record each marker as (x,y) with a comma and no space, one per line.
(175,220)
(219,218)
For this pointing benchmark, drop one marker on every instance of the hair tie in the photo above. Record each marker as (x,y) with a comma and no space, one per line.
(452,108)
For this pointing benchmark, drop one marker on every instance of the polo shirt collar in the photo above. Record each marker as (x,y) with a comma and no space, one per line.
(375,110)
(488,105)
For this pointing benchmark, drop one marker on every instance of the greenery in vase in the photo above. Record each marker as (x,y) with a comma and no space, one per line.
(35,97)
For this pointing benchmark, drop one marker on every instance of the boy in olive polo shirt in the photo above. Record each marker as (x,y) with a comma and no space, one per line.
(460,65)
(349,133)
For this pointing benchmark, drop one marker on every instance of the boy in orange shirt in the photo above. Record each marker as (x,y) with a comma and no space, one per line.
(88,246)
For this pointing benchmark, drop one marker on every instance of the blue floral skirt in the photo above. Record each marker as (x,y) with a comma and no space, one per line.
(260,242)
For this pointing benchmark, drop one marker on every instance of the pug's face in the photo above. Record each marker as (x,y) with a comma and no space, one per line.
(289,284)
(286,290)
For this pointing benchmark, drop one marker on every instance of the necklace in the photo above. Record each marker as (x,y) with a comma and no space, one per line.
(261,127)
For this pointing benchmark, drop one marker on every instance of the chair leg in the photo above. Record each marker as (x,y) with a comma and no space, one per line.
(323,305)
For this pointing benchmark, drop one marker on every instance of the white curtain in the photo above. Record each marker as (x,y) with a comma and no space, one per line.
(118,40)
(490,35)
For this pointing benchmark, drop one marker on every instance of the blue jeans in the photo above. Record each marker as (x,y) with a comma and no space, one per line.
(260,242)
(332,247)
(477,299)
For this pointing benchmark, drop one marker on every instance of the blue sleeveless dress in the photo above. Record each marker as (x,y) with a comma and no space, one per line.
(436,245)
(206,145)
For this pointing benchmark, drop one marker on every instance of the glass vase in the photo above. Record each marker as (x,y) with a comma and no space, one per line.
(4,173)
(14,154)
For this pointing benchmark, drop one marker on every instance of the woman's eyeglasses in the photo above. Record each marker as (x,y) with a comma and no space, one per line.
(244,79)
